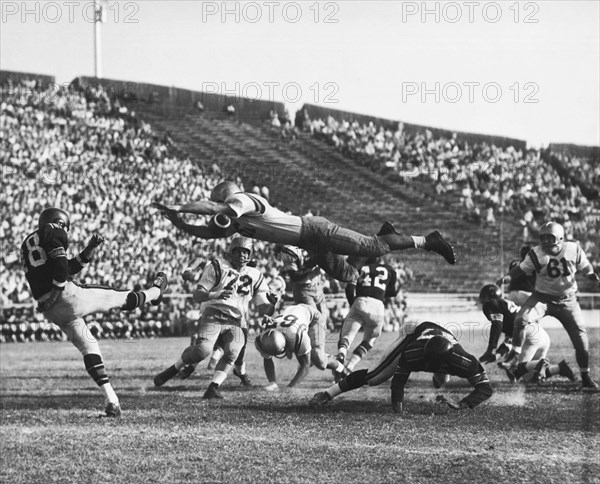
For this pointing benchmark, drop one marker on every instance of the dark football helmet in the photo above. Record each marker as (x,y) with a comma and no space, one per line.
(489,291)
(54,215)
(438,349)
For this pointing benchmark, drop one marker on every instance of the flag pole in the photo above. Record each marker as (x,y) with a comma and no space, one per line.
(97,39)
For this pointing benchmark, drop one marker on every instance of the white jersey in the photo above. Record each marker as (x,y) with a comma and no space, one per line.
(257,219)
(246,284)
(555,273)
(294,323)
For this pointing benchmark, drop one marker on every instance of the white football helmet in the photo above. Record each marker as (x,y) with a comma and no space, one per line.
(222,190)
(552,236)
(240,258)
(272,342)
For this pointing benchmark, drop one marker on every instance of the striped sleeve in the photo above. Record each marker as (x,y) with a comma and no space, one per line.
(528,265)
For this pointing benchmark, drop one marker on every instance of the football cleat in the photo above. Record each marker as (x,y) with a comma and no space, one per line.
(186,372)
(434,242)
(587,382)
(341,357)
(319,399)
(113,410)
(245,379)
(161,282)
(387,228)
(509,372)
(164,376)
(539,373)
(212,392)
(338,376)
(565,370)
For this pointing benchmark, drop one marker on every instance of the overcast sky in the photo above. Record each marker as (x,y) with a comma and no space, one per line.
(529,70)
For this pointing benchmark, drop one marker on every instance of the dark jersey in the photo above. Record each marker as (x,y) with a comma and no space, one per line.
(378,281)
(502,314)
(44,257)
(525,282)
(459,363)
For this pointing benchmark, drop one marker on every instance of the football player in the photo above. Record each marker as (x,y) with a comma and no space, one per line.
(555,262)
(305,276)
(65,303)
(252,216)
(520,288)
(298,331)
(191,274)
(501,313)
(427,347)
(226,288)
(377,280)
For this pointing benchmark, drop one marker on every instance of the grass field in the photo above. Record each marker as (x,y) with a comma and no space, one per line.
(51,430)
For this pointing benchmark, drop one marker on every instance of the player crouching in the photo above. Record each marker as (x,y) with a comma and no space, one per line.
(65,303)
(429,348)
(298,331)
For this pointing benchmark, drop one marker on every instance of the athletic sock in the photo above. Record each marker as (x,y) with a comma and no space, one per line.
(134,300)
(334,391)
(151,293)
(95,368)
(418,240)
(219,377)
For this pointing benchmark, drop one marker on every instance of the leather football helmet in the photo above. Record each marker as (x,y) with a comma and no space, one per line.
(222,190)
(489,291)
(53,215)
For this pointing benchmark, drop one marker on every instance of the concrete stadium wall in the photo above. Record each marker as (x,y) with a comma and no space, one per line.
(316,112)
(249,110)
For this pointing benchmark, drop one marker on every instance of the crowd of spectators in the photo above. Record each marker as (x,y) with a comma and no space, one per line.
(486,178)
(74,147)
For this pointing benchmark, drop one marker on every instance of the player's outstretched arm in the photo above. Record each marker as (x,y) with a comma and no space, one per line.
(304,362)
(203,207)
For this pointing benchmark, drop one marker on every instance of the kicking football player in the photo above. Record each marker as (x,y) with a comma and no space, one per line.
(377,280)
(298,331)
(501,313)
(65,303)
(555,262)
(252,216)
(226,288)
(428,347)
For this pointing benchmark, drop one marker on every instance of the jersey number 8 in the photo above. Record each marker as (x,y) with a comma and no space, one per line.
(36,255)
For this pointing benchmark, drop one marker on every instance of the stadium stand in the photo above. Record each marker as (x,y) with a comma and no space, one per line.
(105,151)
